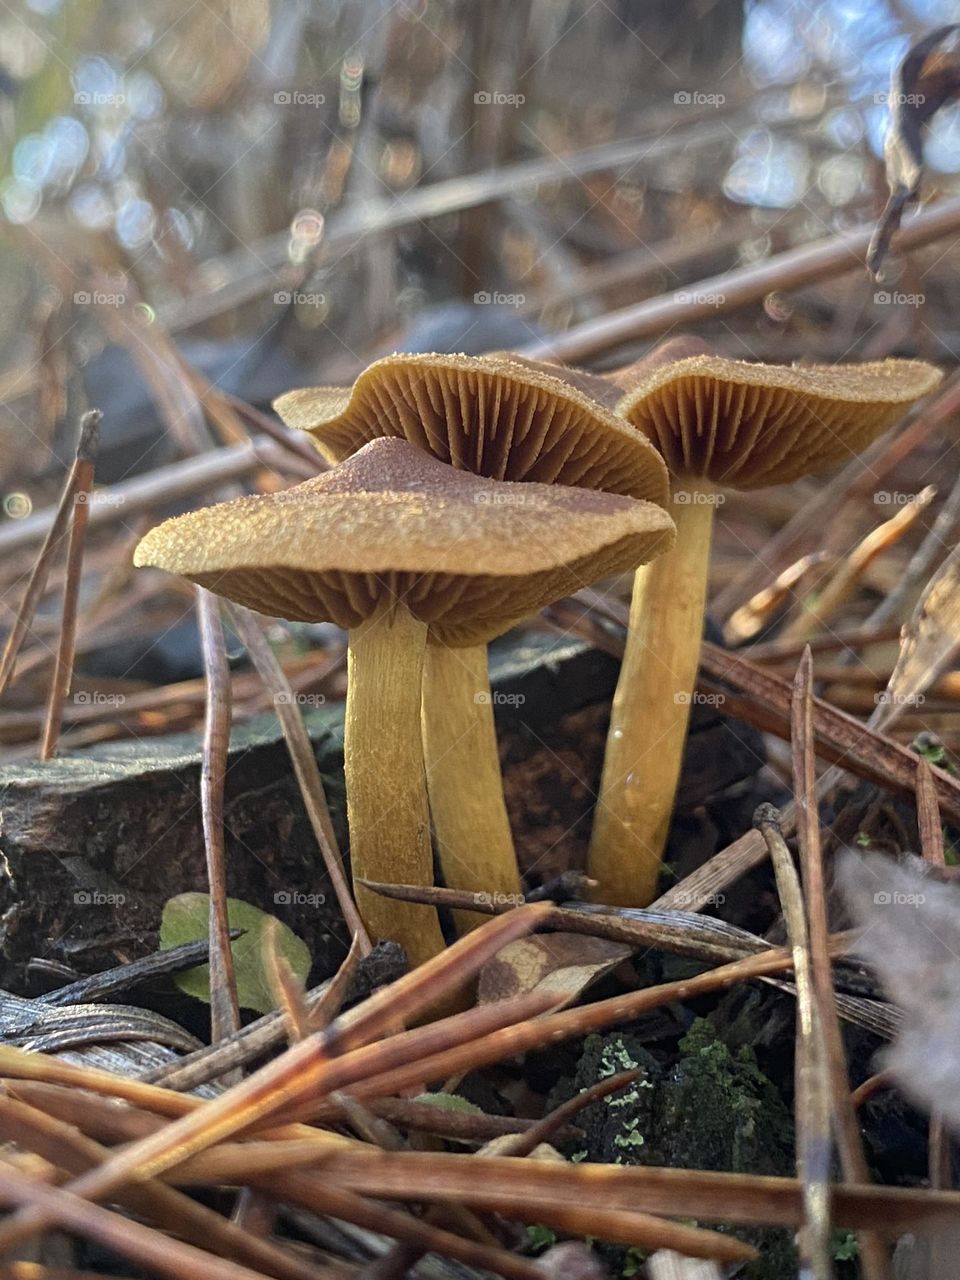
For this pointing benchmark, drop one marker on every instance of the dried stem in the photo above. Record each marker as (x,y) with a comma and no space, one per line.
(853,1161)
(250,629)
(812,1101)
(224,1009)
(79,485)
(835,255)
(932,848)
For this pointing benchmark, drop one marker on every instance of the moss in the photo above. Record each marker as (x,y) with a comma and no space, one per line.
(714,1109)
(742,1124)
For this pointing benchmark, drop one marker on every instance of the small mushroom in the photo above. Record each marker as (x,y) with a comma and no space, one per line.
(388,545)
(507,418)
(718,423)
(500,416)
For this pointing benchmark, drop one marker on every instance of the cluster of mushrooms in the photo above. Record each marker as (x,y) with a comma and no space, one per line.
(467,493)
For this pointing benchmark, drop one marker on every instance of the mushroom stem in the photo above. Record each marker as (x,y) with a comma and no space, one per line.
(470,824)
(651,708)
(386,788)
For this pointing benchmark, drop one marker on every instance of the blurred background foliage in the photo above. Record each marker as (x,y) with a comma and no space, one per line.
(287,188)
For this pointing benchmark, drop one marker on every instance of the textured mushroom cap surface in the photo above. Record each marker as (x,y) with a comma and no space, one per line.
(749,425)
(468,556)
(499,416)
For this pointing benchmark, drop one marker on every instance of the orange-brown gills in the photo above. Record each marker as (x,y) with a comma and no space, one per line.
(499,416)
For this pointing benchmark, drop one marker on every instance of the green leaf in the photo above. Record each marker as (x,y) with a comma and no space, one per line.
(845,1247)
(185,919)
(538,1238)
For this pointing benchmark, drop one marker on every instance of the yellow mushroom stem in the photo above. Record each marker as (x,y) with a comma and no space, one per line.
(470,824)
(386,789)
(651,708)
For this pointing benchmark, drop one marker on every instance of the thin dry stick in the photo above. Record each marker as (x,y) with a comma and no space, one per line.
(38,579)
(82,477)
(203,474)
(812,1103)
(400,1260)
(224,1008)
(161,1254)
(939,536)
(861,749)
(285,1080)
(522,1038)
(506,1185)
(70,1152)
(928,816)
(255,1040)
(105,1121)
(524,1144)
(284,985)
(820,260)
(304,762)
(851,569)
(853,1161)
(865,472)
(932,847)
(873,1084)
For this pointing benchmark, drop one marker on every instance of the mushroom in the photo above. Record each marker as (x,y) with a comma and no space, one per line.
(388,545)
(506,418)
(500,416)
(717,423)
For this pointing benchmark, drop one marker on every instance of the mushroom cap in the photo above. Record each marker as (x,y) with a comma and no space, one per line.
(500,416)
(468,556)
(750,425)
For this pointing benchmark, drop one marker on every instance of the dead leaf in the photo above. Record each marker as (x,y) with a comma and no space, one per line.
(502,1146)
(922,83)
(930,641)
(665,1265)
(561,964)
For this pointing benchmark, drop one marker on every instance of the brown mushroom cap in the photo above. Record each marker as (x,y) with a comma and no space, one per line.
(749,425)
(499,416)
(468,556)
